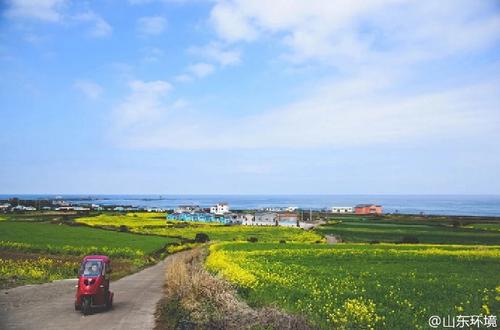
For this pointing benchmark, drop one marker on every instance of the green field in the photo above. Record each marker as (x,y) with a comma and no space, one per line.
(44,234)
(486,226)
(360,286)
(137,223)
(38,251)
(367,230)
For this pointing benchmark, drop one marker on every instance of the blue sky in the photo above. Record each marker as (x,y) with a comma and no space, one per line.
(240,96)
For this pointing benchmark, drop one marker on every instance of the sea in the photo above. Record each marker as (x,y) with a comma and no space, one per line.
(467,205)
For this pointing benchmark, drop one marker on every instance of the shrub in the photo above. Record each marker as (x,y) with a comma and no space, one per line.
(201,238)
(408,239)
(282,241)
(123,229)
(252,239)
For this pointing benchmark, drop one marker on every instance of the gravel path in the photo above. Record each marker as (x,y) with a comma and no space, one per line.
(51,305)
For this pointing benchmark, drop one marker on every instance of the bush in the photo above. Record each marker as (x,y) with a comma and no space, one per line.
(409,240)
(282,241)
(201,238)
(253,239)
(124,229)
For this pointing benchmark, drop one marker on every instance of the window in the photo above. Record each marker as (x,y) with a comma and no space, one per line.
(91,268)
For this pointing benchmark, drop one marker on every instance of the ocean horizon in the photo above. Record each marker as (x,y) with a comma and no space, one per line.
(466,205)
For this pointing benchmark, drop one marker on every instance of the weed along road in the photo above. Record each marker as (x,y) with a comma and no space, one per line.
(51,305)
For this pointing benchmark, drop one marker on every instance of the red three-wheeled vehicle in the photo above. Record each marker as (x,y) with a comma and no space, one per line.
(93,284)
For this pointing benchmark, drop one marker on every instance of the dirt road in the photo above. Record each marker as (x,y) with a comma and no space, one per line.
(51,305)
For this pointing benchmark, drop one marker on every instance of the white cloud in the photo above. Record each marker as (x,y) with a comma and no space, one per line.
(231,23)
(151,25)
(183,78)
(216,52)
(143,106)
(100,27)
(45,10)
(52,11)
(201,69)
(379,94)
(151,55)
(358,112)
(90,89)
(180,103)
(143,2)
(352,32)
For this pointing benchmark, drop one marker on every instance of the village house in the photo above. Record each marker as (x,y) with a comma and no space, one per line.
(4,207)
(202,217)
(152,209)
(23,208)
(240,218)
(366,209)
(272,209)
(342,209)
(220,208)
(279,209)
(245,218)
(265,219)
(187,208)
(288,219)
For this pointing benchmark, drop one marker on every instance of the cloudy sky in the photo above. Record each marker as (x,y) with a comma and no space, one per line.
(250,96)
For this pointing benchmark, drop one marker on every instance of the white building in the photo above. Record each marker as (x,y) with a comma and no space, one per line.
(264,219)
(220,208)
(342,209)
(4,207)
(150,209)
(24,208)
(187,209)
(272,209)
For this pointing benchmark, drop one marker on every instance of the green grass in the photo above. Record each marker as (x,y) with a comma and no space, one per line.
(43,234)
(486,226)
(39,216)
(360,286)
(371,230)
(37,252)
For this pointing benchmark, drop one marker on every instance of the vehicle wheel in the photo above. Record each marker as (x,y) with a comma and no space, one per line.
(77,307)
(86,308)
(109,301)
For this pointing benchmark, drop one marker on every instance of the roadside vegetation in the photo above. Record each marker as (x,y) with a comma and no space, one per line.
(195,299)
(361,286)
